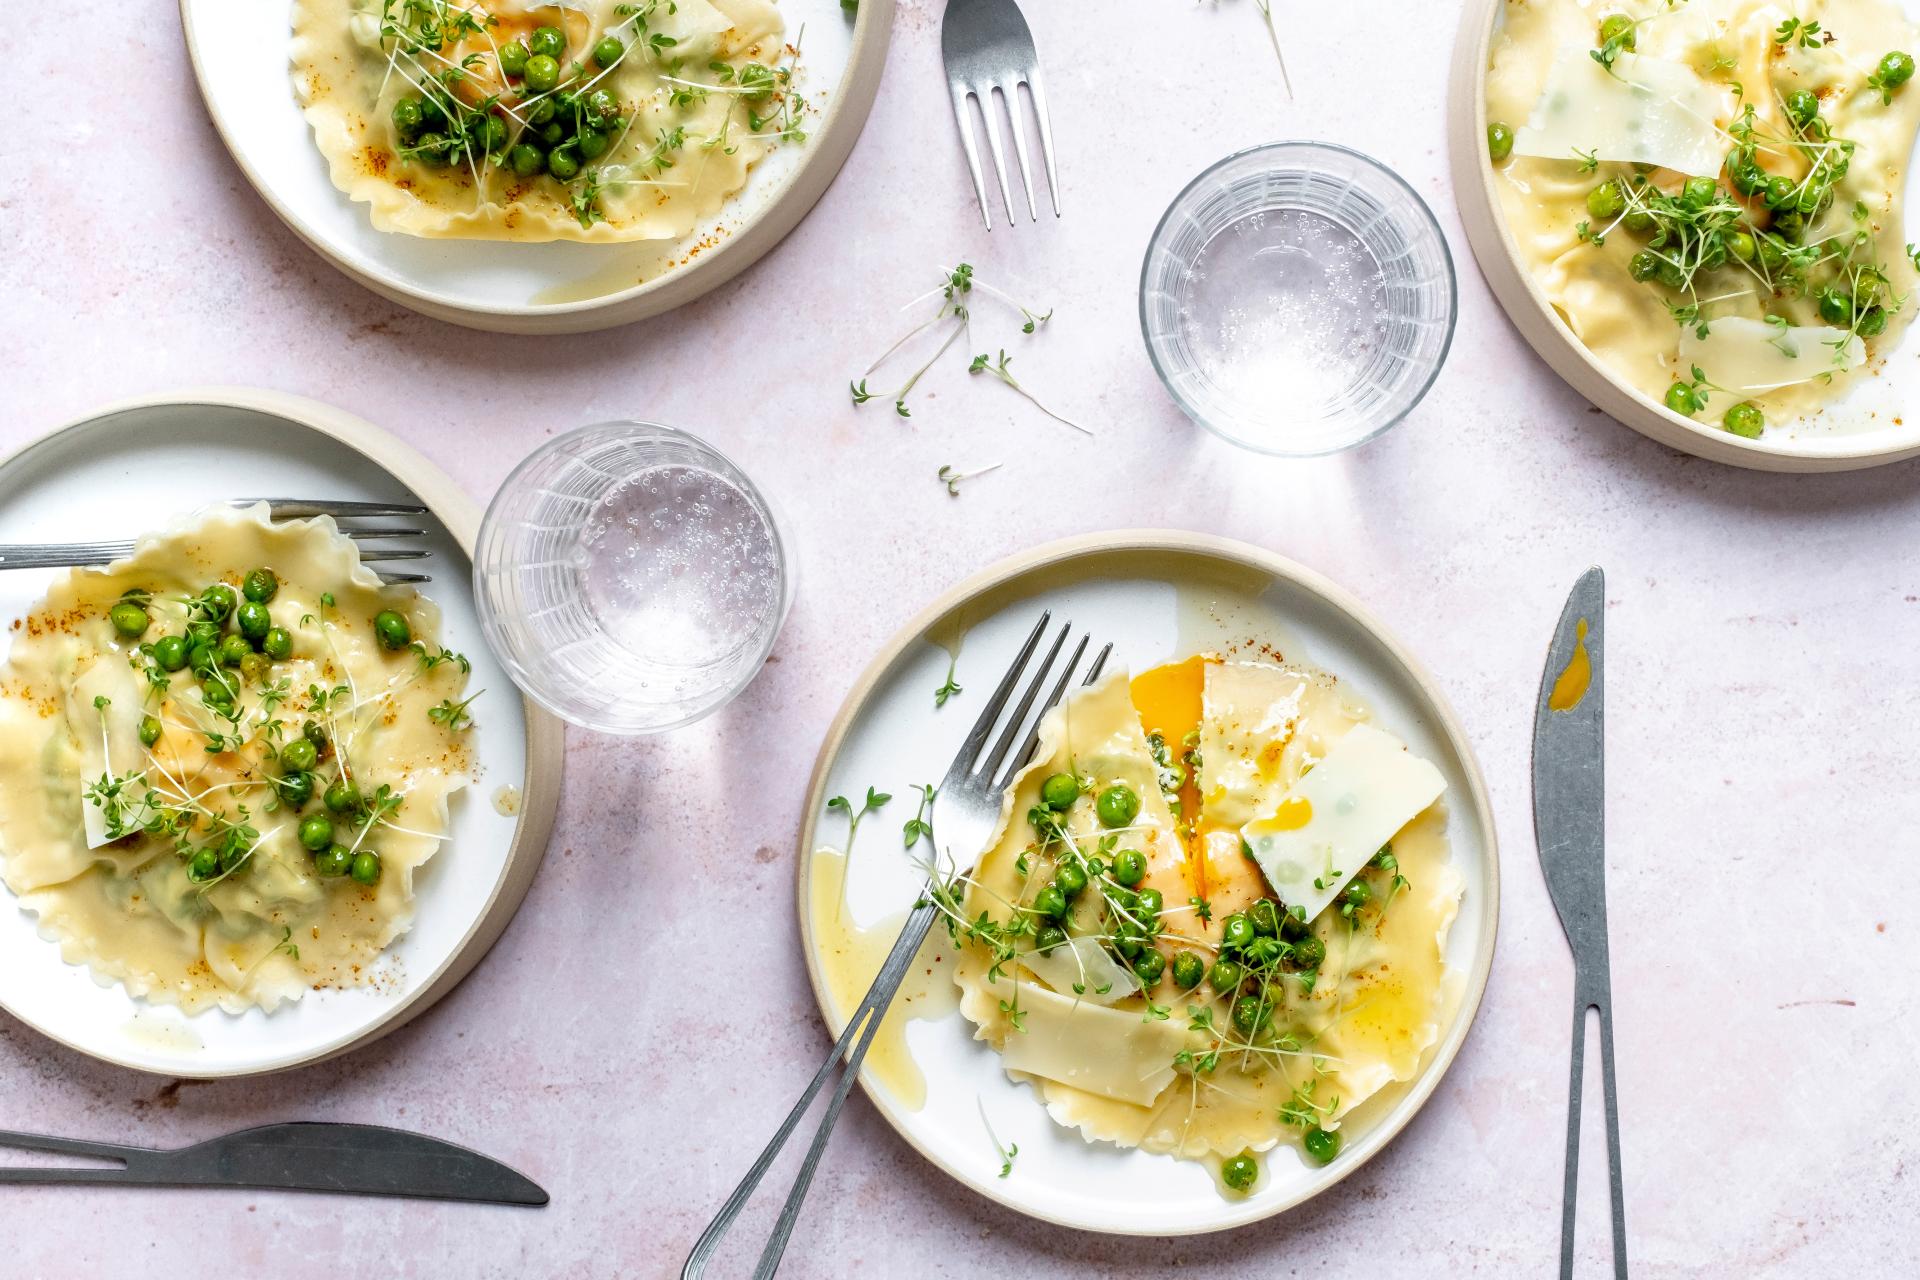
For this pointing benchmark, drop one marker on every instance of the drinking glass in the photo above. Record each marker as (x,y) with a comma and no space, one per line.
(631,578)
(1297,298)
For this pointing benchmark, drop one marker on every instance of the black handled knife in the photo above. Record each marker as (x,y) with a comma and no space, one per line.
(352,1159)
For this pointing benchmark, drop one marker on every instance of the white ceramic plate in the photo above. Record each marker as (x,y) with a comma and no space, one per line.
(1863,428)
(1156,596)
(239,52)
(129,470)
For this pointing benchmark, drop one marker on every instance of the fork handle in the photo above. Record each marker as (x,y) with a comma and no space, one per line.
(1594,996)
(863,1025)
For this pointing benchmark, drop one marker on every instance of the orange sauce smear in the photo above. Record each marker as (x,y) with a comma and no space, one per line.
(1170,700)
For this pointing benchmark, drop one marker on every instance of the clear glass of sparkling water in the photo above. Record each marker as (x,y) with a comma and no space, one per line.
(1297,298)
(631,578)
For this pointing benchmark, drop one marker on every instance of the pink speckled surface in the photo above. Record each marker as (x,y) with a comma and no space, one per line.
(646,1019)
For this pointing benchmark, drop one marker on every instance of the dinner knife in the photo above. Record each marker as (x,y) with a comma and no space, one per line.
(1569,825)
(355,1159)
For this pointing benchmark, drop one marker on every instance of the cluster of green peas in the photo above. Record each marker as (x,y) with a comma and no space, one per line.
(1242,1171)
(1133,912)
(1250,942)
(564,131)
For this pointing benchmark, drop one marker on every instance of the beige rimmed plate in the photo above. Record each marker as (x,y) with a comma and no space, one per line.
(130,468)
(1817,447)
(239,50)
(1156,595)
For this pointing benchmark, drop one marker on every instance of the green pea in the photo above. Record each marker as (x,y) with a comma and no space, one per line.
(1251,1014)
(233,649)
(366,868)
(231,855)
(552,135)
(1070,879)
(1698,193)
(1680,399)
(260,585)
(1292,927)
(1744,420)
(1670,274)
(1872,323)
(1225,976)
(1240,1172)
(316,831)
(601,106)
(1188,970)
(1050,902)
(277,644)
(343,796)
(129,619)
(203,632)
(253,620)
(1499,141)
(1048,938)
(1148,903)
(513,59)
(1791,225)
(299,755)
(217,601)
(1266,918)
(334,860)
(1812,200)
(149,731)
(543,112)
(408,118)
(314,733)
(1643,266)
(1322,1144)
(1149,967)
(1618,27)
(563,164)
(1117,805)
(1780,191)
(1836,307)
(296,789)
(1060,791)
(1638,221)
(1096,868)
(592,143)
(1605,201)
(1129,867)
(1743,172)
(543,73)
(526,160)
(1357,893)
(204,865)
(215,693)
(607,51)
(1127,943)
(489,133)
(170,652)
(1237,931)
(547,42)
(1309,953)
(392,630)
(1740,245)
(1895,70)
(255,667)
(1802,106)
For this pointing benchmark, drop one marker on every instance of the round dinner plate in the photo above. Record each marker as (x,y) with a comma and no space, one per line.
(128,470)
(1156,596)
(1862,428)
(239,50)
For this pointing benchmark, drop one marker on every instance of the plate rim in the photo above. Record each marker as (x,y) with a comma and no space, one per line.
(1528,310)
(546,745)
(829,149)
(1240,554)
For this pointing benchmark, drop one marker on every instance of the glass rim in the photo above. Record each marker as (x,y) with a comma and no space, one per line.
(1428,220)
(526,678)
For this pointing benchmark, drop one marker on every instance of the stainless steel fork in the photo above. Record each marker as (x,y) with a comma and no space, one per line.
(987,45)
(968,803)
(66,555)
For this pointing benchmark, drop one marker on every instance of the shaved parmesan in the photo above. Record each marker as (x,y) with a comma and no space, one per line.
(1748,357)
(1339,815)
(1111,1052)
(1648,111)
(1250,710)
(1082,962)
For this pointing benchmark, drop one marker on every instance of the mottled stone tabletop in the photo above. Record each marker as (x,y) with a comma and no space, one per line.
(646,1018)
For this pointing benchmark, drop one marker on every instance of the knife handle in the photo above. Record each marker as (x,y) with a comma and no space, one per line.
(1603,1002)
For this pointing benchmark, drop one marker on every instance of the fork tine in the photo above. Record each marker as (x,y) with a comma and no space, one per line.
(990,118)
(1039,95)
(362,535)
(301,508)
(1027,748)
(1011,88)
(1099,665)
(976,736)
(964,118)
(393,553)
(996,757)
(396,579)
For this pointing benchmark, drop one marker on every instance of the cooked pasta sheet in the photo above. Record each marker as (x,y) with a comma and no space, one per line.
(227,828)
(517,120)
(1134,964)
(1710,193)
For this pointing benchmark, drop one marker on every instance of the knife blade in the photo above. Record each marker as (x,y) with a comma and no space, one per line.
(355,1159)
(1569,826)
